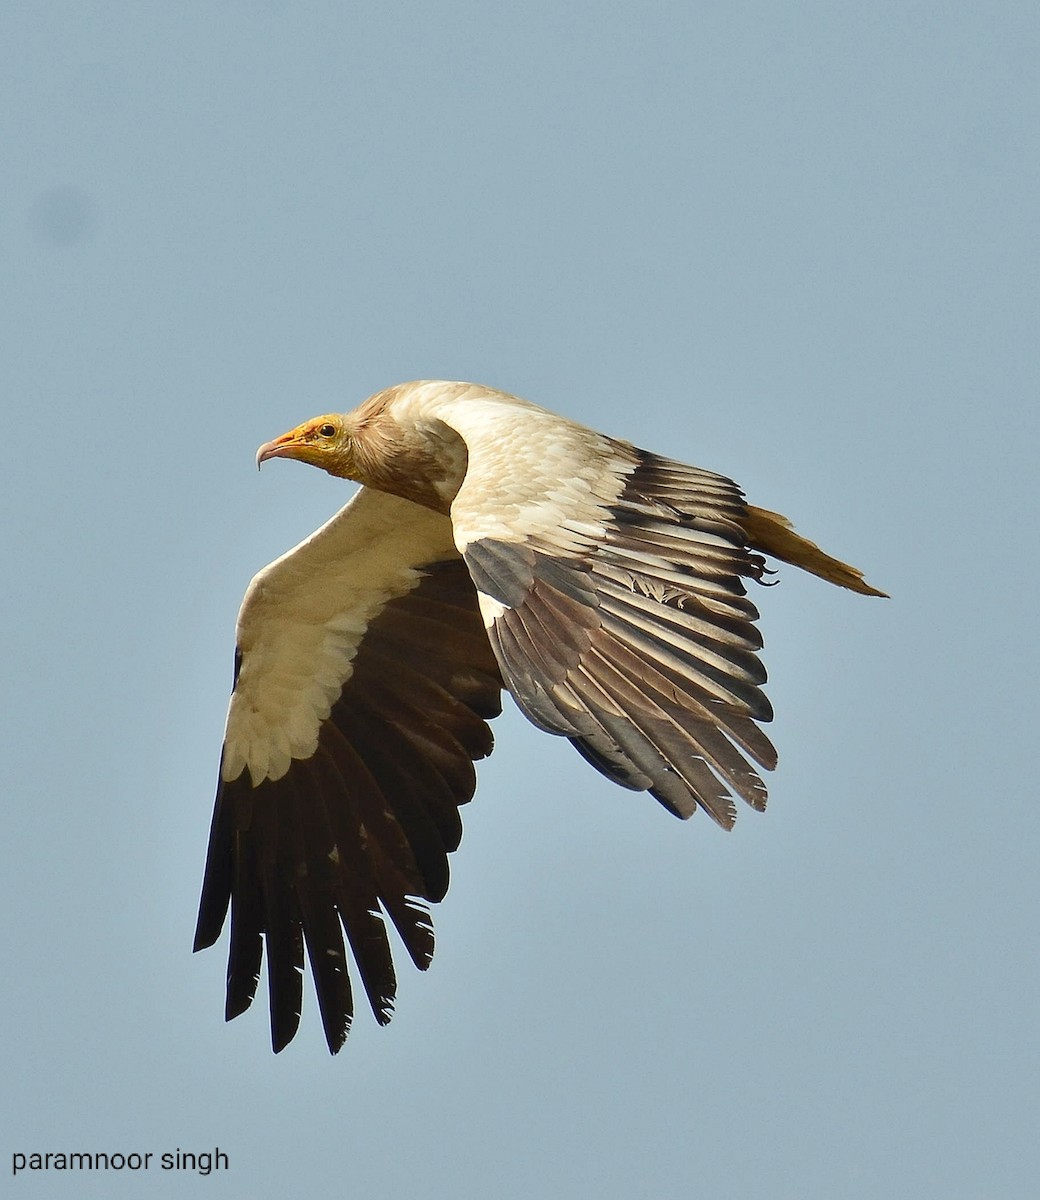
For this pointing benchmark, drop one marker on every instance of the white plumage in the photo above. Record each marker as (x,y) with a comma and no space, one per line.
(303,618)
(493,545)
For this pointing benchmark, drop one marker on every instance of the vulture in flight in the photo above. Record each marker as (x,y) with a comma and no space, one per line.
(493,544)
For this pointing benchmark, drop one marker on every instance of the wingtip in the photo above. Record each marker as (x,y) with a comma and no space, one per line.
(207,928)
(201,942)
(336,1039)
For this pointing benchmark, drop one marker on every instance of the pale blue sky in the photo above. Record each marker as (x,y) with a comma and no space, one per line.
(793,243)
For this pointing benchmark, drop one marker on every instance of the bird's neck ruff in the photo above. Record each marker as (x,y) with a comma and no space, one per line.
(423,461)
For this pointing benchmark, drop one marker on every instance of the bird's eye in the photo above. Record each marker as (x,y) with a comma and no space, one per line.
(327,430)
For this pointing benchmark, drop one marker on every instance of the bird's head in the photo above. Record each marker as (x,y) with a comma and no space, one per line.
(327,442)
(370,447)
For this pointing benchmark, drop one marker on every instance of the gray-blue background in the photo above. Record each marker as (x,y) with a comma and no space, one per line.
(793,243)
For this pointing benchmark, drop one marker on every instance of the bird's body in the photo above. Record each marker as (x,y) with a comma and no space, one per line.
(492,544)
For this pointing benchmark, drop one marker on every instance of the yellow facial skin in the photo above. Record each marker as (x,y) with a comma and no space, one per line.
(321,442)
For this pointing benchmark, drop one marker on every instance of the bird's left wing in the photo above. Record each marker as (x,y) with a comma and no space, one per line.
(363,684)
(610,581)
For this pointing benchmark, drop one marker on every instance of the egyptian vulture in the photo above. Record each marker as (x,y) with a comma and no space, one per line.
(492,544)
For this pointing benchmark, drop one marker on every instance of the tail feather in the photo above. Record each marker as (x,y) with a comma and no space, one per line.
(773,534)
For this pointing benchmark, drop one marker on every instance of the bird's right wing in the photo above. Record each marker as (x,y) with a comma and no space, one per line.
(363,684)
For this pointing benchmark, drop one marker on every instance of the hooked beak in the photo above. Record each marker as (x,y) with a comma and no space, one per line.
(281,447)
